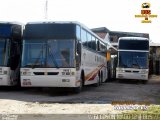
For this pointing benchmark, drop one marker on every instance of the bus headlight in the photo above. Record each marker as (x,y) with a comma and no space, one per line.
(144,71)
(120,70)
(72,73)
(25,73)
(68,72)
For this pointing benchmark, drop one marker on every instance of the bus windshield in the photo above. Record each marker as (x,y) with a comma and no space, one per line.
(133,60)
(3,52)
(134,44)
(48,53)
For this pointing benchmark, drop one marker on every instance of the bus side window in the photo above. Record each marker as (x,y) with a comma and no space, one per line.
(84,38)
(78,32)
(78,47)
(89,40)
(78,55)
(93,43)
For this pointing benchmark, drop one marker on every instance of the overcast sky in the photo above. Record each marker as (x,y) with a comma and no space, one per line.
(116,15)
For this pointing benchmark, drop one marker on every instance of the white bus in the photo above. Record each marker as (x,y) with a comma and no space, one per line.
(133,54)
(10,53)
(62,54)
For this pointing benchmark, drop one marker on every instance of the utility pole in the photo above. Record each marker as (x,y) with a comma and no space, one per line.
(46,9)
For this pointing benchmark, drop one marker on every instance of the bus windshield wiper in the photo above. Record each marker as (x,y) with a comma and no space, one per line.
(135,65)
(37,60)
(53,60)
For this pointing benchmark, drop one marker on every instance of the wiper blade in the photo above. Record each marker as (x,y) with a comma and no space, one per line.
(54,61)
(135,66)
(37,60)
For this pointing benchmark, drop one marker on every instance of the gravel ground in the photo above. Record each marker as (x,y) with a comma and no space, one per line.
(92,100)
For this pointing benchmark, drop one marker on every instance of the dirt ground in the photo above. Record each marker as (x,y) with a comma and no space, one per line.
(92,100)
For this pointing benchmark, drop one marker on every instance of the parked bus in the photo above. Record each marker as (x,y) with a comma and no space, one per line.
(133,54)
(113,66)
(10,53)
(62,54)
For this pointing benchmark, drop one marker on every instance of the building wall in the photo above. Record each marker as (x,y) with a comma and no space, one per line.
(101,35)
(154,60)
(114,39)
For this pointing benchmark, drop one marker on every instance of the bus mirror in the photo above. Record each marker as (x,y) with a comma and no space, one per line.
(108,56)
(78,47)
(78,60)
(16,31)
(98,49)
(77,56)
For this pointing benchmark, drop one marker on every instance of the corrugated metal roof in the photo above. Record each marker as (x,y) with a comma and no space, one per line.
(101,29)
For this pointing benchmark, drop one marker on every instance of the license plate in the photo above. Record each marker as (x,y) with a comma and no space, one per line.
(26,82)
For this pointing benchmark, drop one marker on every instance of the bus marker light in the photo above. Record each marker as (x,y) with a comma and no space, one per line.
(26,73)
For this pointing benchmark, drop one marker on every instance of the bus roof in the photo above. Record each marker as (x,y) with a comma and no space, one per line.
(133,38)
(133,43)
(68,22)
(10,23)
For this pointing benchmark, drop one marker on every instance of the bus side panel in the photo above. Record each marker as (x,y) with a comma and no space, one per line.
(93,64)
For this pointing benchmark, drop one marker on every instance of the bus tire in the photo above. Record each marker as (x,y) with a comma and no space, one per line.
(98,81)
(109,78)
(79,89)
(101,80)
(144,81)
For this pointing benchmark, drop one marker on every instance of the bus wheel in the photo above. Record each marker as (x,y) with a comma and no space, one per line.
(98,81)
(144,81)
(101,80)
(79,89)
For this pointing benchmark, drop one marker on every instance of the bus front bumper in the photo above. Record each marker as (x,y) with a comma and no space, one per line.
(48,81)
(5,80)
(132,76)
